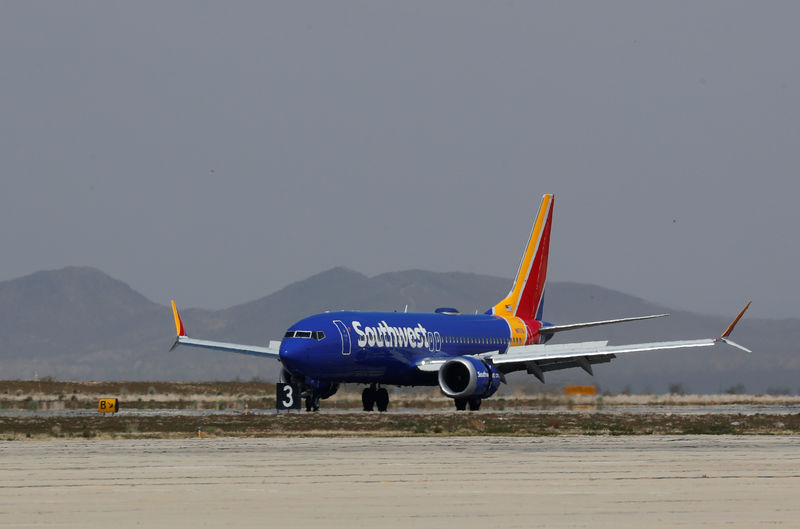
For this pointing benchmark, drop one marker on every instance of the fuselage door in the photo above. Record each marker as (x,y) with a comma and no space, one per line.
(345,334)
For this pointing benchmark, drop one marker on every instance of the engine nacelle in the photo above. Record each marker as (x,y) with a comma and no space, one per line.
(466,377)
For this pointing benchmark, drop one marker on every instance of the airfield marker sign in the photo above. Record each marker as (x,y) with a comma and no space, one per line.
(108,405)
(287,396)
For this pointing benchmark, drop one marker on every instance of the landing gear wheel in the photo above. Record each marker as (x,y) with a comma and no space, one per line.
(382,399)
(312,403)
(474,404)
(461,404)
(368,398)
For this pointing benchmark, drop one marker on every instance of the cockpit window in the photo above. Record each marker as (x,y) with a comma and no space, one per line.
(315,335)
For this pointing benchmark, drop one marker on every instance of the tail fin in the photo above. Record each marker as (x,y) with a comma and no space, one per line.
(527,295)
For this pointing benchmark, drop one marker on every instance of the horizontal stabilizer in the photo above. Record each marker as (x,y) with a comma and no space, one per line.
(551,329)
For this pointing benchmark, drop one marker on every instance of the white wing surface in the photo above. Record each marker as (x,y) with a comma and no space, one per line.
(538,359)
(273,351)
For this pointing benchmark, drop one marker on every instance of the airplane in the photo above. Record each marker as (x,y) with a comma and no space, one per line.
(468,356)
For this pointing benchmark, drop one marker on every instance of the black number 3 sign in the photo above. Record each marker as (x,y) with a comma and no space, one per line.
(287,397)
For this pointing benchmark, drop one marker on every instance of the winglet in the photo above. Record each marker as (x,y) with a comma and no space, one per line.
(729,330)
(179,330)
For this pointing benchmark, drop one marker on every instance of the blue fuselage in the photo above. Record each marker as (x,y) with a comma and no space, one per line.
(386,347)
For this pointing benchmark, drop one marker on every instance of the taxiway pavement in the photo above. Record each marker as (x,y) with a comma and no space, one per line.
(464,482)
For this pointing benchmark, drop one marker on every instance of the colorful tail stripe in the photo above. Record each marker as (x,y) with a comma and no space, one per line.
(526,295)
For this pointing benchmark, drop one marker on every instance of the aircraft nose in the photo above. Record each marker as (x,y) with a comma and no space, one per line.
(295,355)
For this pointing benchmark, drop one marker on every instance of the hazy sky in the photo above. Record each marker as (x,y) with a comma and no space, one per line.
(215,152)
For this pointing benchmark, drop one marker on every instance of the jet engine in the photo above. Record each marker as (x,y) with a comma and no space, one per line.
(467,377)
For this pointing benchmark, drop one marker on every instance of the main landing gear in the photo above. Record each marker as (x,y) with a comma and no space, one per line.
(375,396)
(474,404)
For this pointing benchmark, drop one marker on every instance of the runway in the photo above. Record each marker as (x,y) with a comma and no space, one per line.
(574,481)
(730,409)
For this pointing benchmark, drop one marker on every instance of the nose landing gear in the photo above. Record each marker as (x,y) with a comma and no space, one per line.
(375,396)
(312,401)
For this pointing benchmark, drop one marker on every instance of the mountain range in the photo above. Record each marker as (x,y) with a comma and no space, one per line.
(77,323)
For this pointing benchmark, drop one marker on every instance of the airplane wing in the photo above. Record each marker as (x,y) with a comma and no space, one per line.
(538,359)
(265,352)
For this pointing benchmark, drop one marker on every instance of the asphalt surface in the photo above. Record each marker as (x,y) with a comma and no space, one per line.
(727,409)
(592,481)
